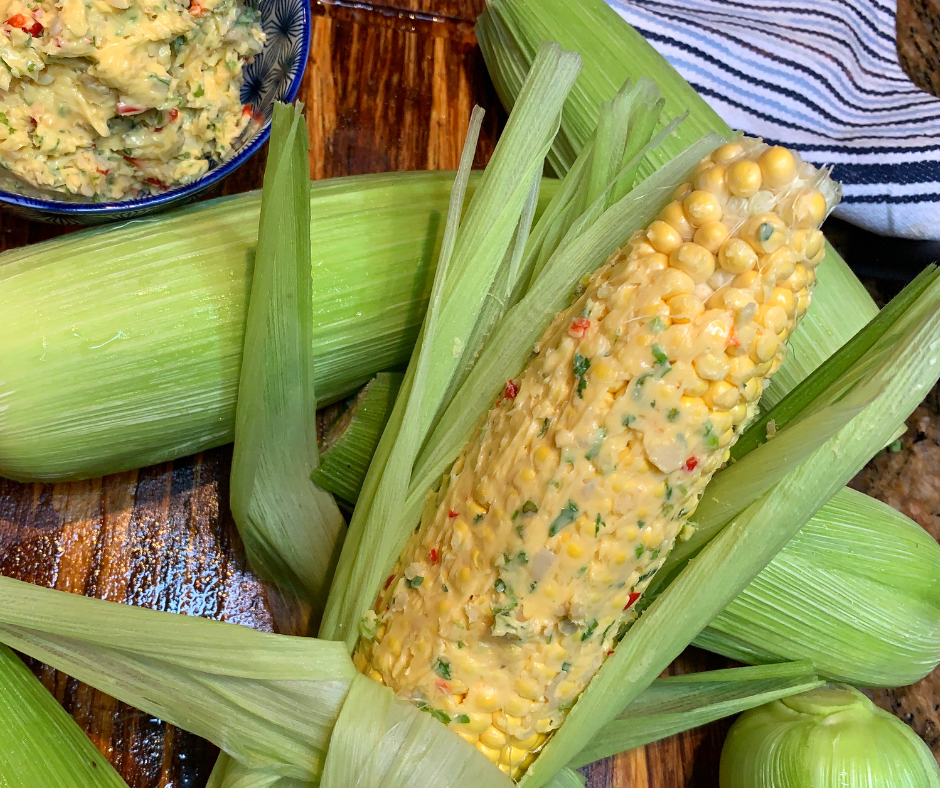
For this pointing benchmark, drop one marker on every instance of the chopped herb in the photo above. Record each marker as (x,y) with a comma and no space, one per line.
(641,523)
(500,585)
(368,627)
(710,437)
(522,558)
(582,571)
(565,517)
(519,529)
(199,92)
(445,589)
(415,581)
(459,644)
(668,490)
(659,354)
(647,575)
(533,586)
(599,438)
(157,77)
(765,231)
(654,555)
(515,514)
(589,631)
(682,513)
(598,524)
(4,119)
(656,325)
(638,385)
(672,414)
(442,668)
(439,715)
(463,719)
(550,637)
(581,365)
(640,550)
(478,518)
(566,705)
(566,666)
(544,427)
(529,507)
(628,420)
(896,445)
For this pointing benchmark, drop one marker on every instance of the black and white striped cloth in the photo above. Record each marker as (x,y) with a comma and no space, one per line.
(821,76)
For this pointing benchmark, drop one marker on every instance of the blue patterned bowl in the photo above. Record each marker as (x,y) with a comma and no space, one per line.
(274,75)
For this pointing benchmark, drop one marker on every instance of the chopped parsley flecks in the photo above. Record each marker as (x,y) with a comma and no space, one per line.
(710,437)
(567,516)
(640,550)
(529,507)
(659,354)
(599,437)
(442,668)
(589,631)
(672,414)
(628,420)
(415,581)
(656,325)
(580,366)
(544,428)
(638,384)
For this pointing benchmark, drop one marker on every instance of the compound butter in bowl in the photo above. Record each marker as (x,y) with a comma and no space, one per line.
(117,108)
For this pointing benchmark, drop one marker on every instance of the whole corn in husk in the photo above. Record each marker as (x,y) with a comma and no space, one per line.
(857,591)
(572,495)
(122,345)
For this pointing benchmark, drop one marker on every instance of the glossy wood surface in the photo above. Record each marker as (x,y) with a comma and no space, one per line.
(389,86)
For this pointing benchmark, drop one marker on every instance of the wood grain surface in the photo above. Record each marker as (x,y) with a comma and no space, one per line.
(389,86)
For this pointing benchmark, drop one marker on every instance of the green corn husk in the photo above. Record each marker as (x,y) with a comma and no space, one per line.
(510,31)
(857,591)
(290,527)
(349,444)
(41,746)
(269,701)
(678,703)
(122,345)
(833,736)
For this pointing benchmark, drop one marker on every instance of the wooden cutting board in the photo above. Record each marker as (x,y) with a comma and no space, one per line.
(387,88)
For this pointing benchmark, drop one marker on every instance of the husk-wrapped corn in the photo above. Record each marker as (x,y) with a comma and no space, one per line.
(528,561)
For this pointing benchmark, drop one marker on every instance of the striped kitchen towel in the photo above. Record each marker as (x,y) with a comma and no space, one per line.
(822,77)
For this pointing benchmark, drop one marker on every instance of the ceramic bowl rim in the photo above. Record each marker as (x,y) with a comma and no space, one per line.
(191,189)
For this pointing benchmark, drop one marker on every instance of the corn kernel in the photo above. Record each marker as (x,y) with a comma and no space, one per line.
(772,316)
(711,367)
(806,209)
(816,259)
(721,395)
(620,558)
(527,687)
(531,743)
(740,370)
(746,281)
(694,260)
(765,232)
(603,370)
(701,207)
(765,347)
(527,474)
(674,215)
(753,389)
(672,282)
(664,237)
(777,166)
(469,737)
(683,308)
(815,243)
(712,180)
(484,697)
(726,438)
(695,409)
(725,154)
(797,279)
(704,164)
(574,550)
(443,606)
(711,235)
(376,676)
(640,248)
(737,256)
(682,192)
(783,298)
(542,453)
(518,706)
(465,575)
(489,752)
(721,421)
(779,264)
(738,413)
(744,178)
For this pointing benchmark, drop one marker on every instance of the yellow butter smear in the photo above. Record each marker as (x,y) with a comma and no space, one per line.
(109,99)
(526,566)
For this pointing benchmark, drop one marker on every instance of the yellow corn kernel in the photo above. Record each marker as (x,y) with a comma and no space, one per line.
(816,259)
(744,178)
(753,389)
(475,508)
(765,347)
(806,209)
(777,166)
(674,216)
(686,307)
(772,316)
(694,260)
(766,232)
(711,235)
(695,408)
(726,438)
(721,395)
(738,413)
(518,706)
(530,743)
(737,256)
(735,299)
(484,697)
(815,243)
(779,264)
(527,475)
(672,282)
(721,420)
(782,297)
(725,154)
(711,367)
(712,180)
(802,304)
(740,370)
(640,248)
(704,164)
(797,280)
(541,454)
(489,752)
(443,605)
(574,550)
(664,237)
(375,675)
(701,207)
(465,575)
(746,281)
(682,192)
(469,737)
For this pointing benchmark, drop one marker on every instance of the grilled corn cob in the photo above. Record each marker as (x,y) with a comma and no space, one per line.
(529,559)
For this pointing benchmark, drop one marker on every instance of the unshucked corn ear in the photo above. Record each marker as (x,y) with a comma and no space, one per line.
(857,591)
(122,346)
(510,32)
(507,599)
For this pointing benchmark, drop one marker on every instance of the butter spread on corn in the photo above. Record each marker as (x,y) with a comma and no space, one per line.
(111,98)
(529,560)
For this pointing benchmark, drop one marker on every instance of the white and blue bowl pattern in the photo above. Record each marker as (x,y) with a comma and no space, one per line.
(274,75)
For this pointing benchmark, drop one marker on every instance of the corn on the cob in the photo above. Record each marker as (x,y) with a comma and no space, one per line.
(512,592)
